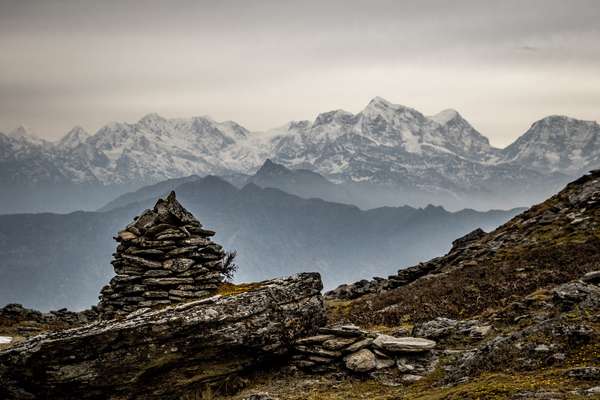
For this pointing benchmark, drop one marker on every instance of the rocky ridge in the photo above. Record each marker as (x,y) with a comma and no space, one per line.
(564,227)
(164,257)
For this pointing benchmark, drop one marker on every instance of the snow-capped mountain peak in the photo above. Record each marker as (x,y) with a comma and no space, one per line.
(20,132)
(382,144)
(445,116)
(74,138)
(24,134)
(557,143)
(152,120)
(380,107)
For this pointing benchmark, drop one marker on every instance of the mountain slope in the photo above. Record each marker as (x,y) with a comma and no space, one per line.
(73,138)
(51,261)
(557,143)
(302,183)
(551,243)
(337,140)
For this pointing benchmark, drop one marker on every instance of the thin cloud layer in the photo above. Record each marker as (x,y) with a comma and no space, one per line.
(262,63)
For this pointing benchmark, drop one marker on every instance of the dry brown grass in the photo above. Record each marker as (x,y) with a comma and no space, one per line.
(464,292)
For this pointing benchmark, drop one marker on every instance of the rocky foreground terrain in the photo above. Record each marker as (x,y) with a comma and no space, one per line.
(510,314)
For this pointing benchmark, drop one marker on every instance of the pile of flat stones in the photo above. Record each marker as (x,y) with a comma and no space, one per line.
(347,347)
(164,256)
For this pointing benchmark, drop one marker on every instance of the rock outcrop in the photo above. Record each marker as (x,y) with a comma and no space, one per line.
(164,257)
(162,353)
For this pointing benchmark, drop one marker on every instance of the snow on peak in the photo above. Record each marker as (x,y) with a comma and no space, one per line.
(74,138)
(338,116)
(21,132)
(557,143)
(380,107)
(379,102)
(151,119)
(445,116)
(270,168)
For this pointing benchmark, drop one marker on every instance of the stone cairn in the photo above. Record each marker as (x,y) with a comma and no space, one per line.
(164,257)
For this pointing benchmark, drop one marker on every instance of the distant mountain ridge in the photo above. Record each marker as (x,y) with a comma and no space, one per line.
(396,152)
(57,260)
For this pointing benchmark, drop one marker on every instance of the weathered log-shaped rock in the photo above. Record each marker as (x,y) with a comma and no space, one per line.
(162,353)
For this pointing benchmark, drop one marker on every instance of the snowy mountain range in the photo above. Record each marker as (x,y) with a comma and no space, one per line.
(393,151)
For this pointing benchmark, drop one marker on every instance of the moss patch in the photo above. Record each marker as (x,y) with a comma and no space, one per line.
(230,289)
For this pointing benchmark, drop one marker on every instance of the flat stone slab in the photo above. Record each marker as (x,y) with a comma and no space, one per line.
(359,345)
(405,344)
(5,339)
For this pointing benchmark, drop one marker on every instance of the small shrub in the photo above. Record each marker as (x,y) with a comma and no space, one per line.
(229,265)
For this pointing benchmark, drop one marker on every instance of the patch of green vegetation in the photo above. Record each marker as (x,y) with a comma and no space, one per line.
(230,289)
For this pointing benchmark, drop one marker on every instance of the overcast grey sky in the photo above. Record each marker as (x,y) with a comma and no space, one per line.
(502,64)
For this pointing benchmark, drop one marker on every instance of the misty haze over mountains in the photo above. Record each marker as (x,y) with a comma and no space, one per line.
(335,195)
(51,261)
(386,154)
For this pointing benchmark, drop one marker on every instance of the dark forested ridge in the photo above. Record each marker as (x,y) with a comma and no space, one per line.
(53,260)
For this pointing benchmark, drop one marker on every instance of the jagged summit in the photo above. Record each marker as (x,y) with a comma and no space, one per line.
(336,116)
(74,138)
(153,121)
(25,135)
(21,131)
(386,109)
(445,116)
(558,144)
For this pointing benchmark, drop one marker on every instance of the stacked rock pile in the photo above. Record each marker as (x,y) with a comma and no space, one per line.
(164,256)
(351,348)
